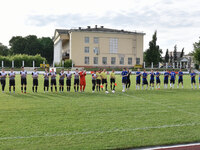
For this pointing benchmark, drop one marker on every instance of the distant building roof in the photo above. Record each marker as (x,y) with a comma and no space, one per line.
(96,29)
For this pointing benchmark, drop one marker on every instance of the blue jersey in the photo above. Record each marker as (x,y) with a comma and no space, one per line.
(157,75)
(180,74)
(138,75)
(152,76)
(173,75)
(192,76)
(124,74)
(144,76)
(166,75)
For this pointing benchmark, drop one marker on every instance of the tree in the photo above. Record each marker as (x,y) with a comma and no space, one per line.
(167,56)
(182,53)
(47,48)
(4,50)
(153,53)
(196,51)
(175,53)
(32,45)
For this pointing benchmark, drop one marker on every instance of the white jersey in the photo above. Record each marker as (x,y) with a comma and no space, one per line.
(62,75)
(3,75)
(76,75)
(12,75)
(35,75)
(23,74)
(69,76)
(94,76)
(46,76)
(53,75)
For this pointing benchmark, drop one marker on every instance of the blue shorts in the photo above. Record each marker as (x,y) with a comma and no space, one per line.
(145,82)
(124,80)
(157,81)
(138,81)
(193,81)
(151,81)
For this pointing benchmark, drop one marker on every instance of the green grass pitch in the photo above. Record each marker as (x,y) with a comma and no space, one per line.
(97,120)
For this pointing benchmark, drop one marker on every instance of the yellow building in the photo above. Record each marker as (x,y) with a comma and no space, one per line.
(98,47)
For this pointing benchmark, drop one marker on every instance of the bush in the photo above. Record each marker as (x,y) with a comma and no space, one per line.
(28,60)
(68,63)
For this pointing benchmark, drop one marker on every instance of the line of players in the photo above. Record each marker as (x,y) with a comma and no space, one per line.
(99,80)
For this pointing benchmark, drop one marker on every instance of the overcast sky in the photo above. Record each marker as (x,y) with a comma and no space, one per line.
(177,21)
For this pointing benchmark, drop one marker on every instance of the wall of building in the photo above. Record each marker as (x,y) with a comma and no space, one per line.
(129,46)
(57,52)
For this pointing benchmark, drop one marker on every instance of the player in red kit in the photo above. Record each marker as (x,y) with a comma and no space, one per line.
(82,80)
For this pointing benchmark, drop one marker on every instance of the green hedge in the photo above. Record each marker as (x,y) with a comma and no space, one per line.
(28,60)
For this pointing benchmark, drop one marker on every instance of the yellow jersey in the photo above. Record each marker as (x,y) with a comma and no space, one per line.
(98,76)
(112,75)
(103,75)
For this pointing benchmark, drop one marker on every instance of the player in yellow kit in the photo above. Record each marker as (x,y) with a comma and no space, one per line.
(104,79)
(112,81)
(98,77)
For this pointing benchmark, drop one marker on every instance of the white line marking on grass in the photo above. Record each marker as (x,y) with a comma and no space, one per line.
(170,107)
(173,146)
(98,132)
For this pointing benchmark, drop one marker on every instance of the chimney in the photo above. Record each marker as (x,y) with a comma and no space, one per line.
(102,27)
(88,27)
(96,26)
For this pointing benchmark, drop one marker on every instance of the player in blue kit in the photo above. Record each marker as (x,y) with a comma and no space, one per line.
(138,76)
(193,74)
(124,79)
(180,78)
(166,79)
(199,80)
(172,79)
(144,80)
(157,79)
(152,74)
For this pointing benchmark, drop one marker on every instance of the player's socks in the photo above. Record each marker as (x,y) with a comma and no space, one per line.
(111,87)
(114,87)
(13,88)
(60,89)
(69,88)
(22,89)
(81,88)
(106,87)
(36,89)
(47,88)
(44,88)
(99,88)
(77,88)
(33,88)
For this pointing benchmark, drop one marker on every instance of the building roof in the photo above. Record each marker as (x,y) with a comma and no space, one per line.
(96,29)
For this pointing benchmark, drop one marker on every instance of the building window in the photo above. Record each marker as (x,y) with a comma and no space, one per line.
(96,40)
(95,60)
(104,60)
(121,62)
(87,40)
(87,61)
(96,50)
(113,45)
(129,61)
(113,60)
(87,49)
(137,61)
